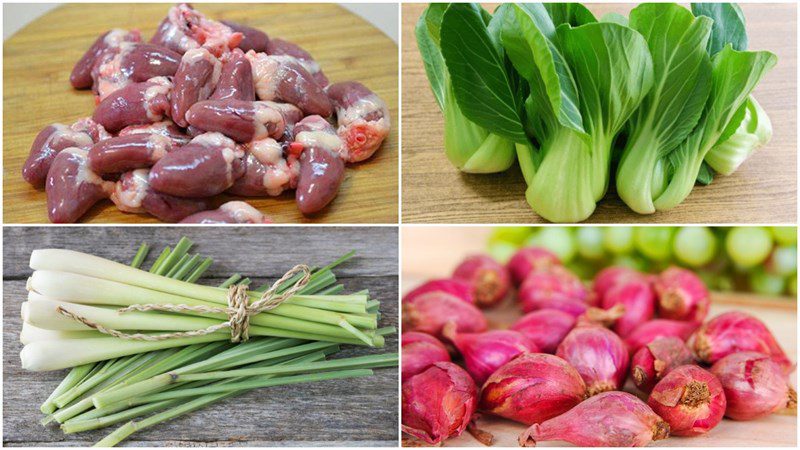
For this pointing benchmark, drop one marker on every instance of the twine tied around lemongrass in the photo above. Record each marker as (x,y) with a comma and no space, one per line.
(239,310)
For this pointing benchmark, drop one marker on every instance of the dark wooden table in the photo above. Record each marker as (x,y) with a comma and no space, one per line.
(349,412)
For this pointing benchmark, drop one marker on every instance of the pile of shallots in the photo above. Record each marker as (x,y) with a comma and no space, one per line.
(203,108)
(560,369)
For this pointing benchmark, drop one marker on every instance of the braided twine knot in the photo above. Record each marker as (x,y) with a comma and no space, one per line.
(239,310)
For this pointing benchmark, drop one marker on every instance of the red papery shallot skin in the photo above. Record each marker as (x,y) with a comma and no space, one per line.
(735,331)
(486,352)
(755,385)
(438,403)
(252,38)
(431,311)
(420,351)
(638,298)
(656,359)
(545,327)
(658,328)
(488,278)
(610,419)
(610,277)
(599,356)
(690,399)
(81,76)
(532,388)
(530,259)
(451,286)
(682,295)
(557,289)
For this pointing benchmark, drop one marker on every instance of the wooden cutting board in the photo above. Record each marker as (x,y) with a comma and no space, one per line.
(38,60)
(763,190)
(434,252)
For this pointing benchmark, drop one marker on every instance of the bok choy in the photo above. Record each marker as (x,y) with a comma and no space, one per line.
(661,99)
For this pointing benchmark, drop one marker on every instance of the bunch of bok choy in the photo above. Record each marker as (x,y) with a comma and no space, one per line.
(660,98)
(145,387)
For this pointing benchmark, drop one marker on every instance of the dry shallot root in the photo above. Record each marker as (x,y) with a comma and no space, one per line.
(204,108)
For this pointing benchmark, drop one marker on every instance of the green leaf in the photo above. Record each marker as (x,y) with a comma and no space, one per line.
(432,58)
(574,14)
(481,84)
(729,26)
(526,37)
(613,17)
(433,19)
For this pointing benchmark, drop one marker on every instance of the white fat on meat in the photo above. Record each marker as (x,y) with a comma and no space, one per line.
(128,196)
(160,86)
(264,115)
(242,212)
(280,174)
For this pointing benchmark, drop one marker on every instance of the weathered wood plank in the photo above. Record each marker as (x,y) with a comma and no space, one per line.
(360,412)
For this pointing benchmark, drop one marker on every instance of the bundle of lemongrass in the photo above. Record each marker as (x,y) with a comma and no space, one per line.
(115,380)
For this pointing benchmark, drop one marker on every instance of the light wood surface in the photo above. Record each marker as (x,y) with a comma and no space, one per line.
(38,59)
(432,252)
(763,190)
(337,413)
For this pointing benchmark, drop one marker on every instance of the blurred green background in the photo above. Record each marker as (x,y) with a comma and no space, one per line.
(762,260)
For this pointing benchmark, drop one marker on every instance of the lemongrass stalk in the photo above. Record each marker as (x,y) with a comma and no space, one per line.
(244,282)
(200,270)
(178,266)
(230,358)
(140,255)
(72,287)
(64,399)
(30,333)
(73,377)
(164,360)
(108,370)
(160,260)
(42,312)
(187,268)
(132,408)
(332,290)
(231,280)
(131,427)
(357,362)
(183,246)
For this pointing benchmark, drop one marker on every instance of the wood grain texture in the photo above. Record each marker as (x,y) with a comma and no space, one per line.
(38,60)
(433,252)
(360,412)
(763,190)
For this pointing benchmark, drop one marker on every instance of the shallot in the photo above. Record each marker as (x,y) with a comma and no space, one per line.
(532,388)
(655,360)
(658,328)
(609,278)
(484,353)
(610,419)
(430,312)
(637,296)
(599,356)
(682,295)
(420,351)
(735,331)
(530,259)
(690,399)
(451,286)
(557,289)
(754,384)
(546,328)
(488,278)
(438,403)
